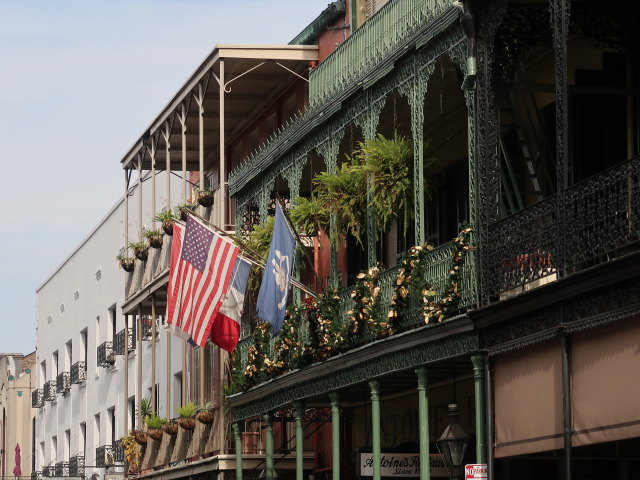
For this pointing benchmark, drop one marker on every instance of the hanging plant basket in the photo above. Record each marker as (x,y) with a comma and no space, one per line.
(127,264)
(140,437)
(204,197)
(167,227)
(170,428)
(155,241)
(155,433)
(205,416)
(183,211)
(188,423)
(141,253)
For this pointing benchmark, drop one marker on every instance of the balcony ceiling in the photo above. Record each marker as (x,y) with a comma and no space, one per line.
(246,97)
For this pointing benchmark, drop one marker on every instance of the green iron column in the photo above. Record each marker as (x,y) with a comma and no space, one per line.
(299,414)
(268,468)
(335,430)
(236,435)
(375,427)
(423,418)
(478,377)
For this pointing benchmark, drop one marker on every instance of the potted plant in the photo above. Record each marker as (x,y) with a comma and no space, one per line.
(154,425)
(140,250)
(154,237)
(187,416)
(167,218)
(183,210)
(205,413)
(171,427)
(145,408)
(309,216)
(139,436)
(131,452)
(204,197)
(126,263)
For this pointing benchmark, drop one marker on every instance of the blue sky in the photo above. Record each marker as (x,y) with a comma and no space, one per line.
(79,82)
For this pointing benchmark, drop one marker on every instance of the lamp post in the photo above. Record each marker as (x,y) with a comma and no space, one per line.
(453,441)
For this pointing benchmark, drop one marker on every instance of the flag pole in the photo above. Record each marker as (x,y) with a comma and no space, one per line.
(295,232)
(253,257)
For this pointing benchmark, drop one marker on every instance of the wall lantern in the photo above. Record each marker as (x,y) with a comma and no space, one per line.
(454,440)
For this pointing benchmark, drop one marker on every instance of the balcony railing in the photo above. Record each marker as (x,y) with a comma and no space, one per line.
(386,32)
(76,466)
(106,355)
(37,398)
(50,394)
(120,342)
(62,469)
(63,383)
(533,247)
(36,475)
(437,274)
(78,373)
(49,471)
(109,455)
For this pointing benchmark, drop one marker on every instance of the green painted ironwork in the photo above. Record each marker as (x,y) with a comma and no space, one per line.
(238,439)
(299,415)
(388,30)
(268,468)
(423,420)
(478,378)
(335,434)
(375,427)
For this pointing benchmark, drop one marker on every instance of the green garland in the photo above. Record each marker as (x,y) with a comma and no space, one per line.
(288,349)
(367,310)
(258,362)
(327,330)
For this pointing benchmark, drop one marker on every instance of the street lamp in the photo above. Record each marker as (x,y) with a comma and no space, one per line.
(454,440)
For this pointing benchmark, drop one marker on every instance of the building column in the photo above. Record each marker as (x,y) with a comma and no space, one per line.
(375,427)
(335,434)
(236,435)
(299,415)
(423,419)
(268,468)
(478,378)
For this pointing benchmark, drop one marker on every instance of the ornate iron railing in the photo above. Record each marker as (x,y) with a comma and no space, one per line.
(78,373)
(36,475)
(147,329)
(37,398)
(62,469)
(118,452)
(49,471)
(359,55)
(63,383)
(532,247)
(106,355)
(104,456)
(76,466)
(437,274)
(120,342)
(50,394)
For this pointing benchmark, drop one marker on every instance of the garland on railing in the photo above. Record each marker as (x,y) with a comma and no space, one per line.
(326,328)
(257,355)
(367,310)
(450,302)
(288,349)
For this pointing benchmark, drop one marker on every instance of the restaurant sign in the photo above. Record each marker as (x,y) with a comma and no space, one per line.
(401,465)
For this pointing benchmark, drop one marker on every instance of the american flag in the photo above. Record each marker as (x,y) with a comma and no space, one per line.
(199,275)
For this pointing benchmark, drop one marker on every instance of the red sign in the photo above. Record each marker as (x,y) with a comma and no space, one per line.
(475,471)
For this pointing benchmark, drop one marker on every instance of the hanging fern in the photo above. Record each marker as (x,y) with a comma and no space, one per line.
(309,215)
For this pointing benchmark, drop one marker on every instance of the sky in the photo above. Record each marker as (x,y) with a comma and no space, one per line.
(79,82)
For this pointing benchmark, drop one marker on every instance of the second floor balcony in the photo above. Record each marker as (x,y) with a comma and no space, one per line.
(106,355)
(76,466)
(63,383)
(36,475)
(49,471)
(78,373)
(62,469)
(37,398)
(50,394)
(120,342)
(109,455)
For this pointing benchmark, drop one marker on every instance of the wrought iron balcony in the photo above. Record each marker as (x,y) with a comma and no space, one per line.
(147,328)
(76,466)
(106,355)
(109,455)
(78,373)
(437,273)
(388,31)
(535,246)
(62,469)
(63,383)
(49,471)
(37,398)
(36,475)
(120,342)
(50,394)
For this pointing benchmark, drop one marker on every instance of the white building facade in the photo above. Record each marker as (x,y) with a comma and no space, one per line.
(87,389)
